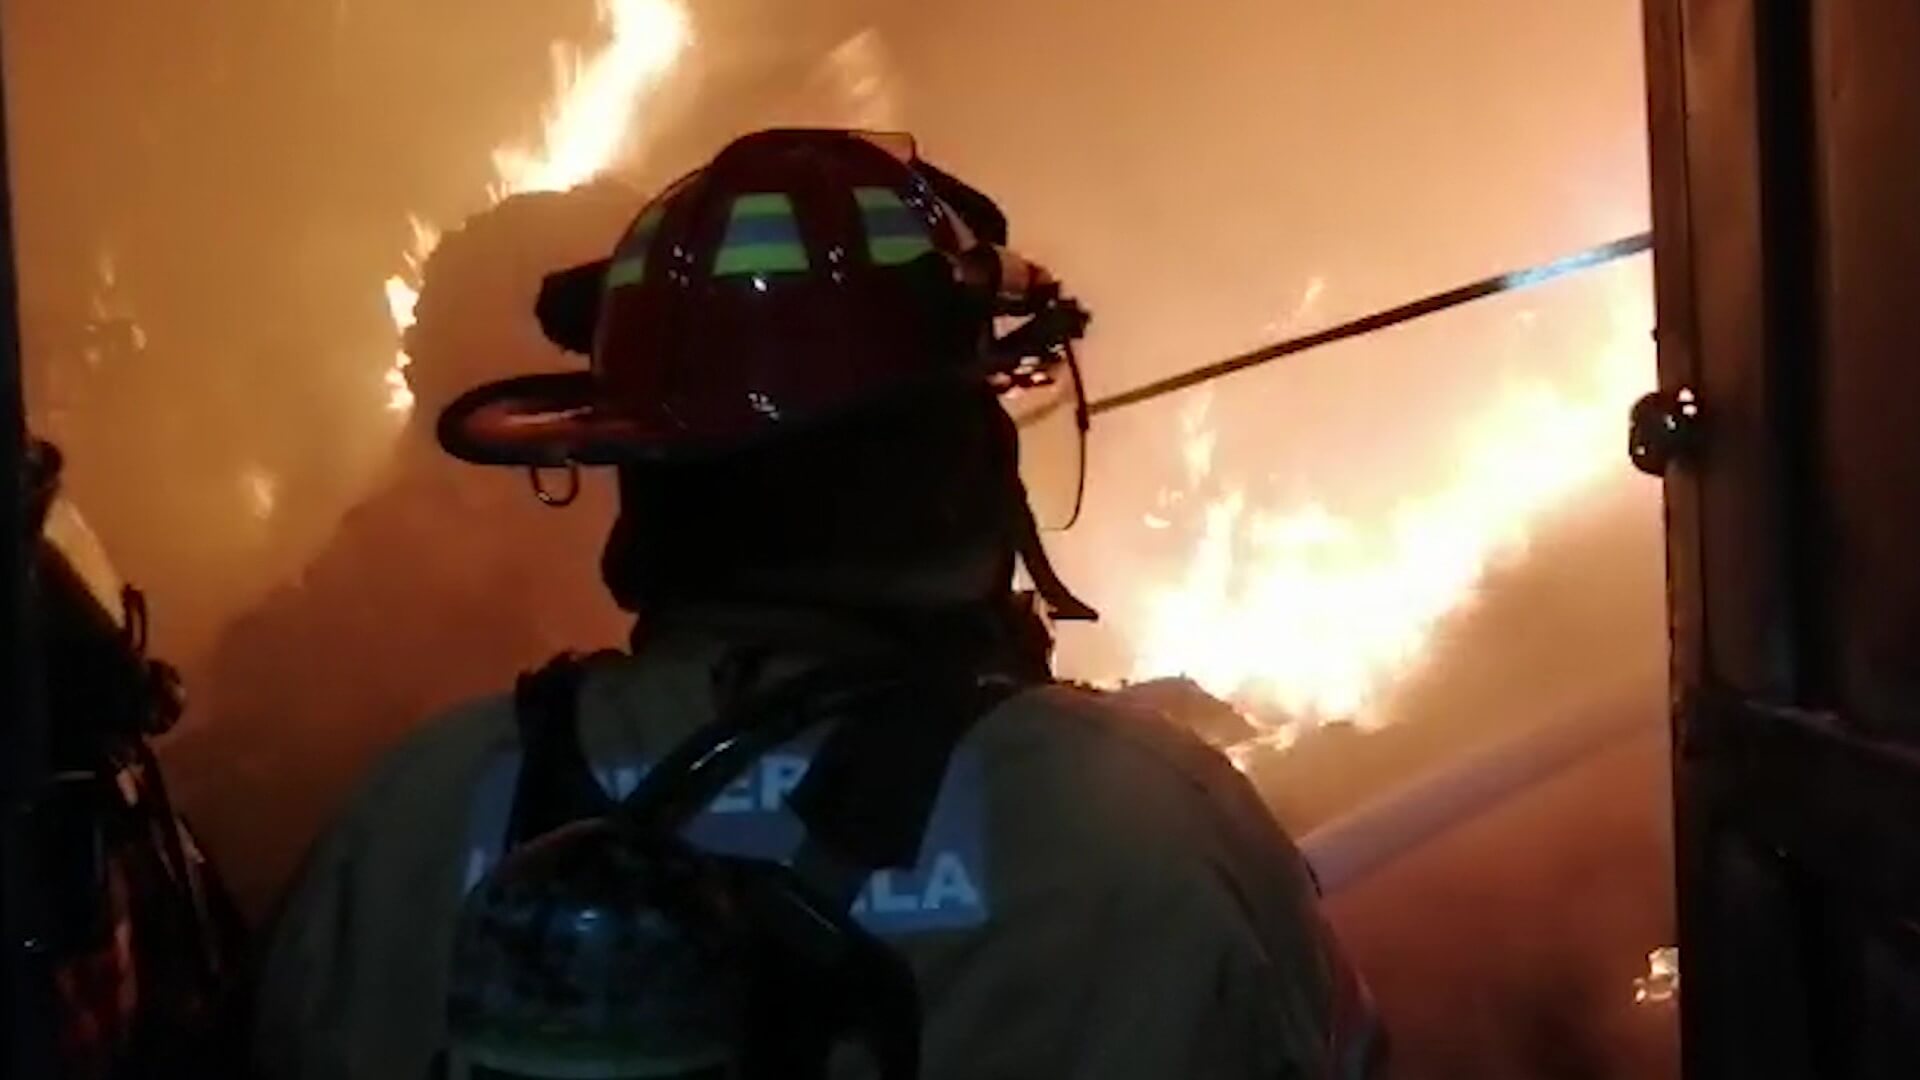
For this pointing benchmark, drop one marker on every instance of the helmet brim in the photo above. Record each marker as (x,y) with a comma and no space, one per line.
(558,419)
(561,419)
(546,420)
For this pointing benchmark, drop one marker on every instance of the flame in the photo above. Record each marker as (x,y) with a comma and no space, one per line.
(403,294)
(401,298)
(583,132)
(1305,614)
(595,98)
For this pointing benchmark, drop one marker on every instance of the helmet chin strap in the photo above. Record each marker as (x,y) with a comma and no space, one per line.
(1009,284)
(1062,604)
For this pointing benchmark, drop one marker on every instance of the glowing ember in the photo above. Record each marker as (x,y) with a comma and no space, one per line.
(262,490)
(1312,615)
(1661,983)
(591,121)
(111,327)
(108,269)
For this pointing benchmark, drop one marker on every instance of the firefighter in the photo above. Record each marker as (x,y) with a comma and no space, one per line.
(384,624)
(144,947)
(794,373)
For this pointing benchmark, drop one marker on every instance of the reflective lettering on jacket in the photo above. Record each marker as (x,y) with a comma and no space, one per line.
(946,890)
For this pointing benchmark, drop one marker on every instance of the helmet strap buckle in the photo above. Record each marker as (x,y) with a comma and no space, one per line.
(536,476)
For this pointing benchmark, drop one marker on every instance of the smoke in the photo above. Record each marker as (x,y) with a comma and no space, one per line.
(1192,173)
(1191,177)
(1507,949)
(248,168)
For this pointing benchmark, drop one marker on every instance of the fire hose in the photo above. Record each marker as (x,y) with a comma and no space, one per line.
(1511,281)
(1350,847)
(1353,846)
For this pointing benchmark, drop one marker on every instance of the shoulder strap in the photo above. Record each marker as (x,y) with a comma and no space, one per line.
(556,785)
(868,798)
(870,792)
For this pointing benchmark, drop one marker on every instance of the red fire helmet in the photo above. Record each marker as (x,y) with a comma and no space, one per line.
(801,274)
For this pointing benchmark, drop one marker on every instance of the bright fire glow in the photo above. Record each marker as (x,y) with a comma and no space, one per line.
(403,294)
(590,122)
(401,298)
(1302,613)
(595,98)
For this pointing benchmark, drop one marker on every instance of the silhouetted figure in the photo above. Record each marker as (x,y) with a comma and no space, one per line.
(142,947)
(832,795)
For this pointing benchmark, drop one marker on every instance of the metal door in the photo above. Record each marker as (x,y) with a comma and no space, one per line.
(1786,160)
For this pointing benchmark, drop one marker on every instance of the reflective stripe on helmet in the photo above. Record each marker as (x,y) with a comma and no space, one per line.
(763,237)
(629,266)
(627,272)
(895,233)
(641,235)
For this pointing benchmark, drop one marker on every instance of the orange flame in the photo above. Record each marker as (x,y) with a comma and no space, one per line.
(596,100)
(402,295)
(1302,612)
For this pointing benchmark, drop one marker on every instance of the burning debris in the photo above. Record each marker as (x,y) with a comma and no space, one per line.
(403,295)
(591,122)
(1309,614)
(1315,614)
(1182,700)
(1306,611)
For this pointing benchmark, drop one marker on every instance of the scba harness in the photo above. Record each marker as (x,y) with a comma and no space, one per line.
(606,944)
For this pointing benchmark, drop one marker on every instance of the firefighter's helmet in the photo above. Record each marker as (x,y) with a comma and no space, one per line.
(473,321)
(801,275)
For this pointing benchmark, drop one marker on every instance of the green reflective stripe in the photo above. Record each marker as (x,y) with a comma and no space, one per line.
(895,232)
(649,221)
(640,237)
(763,237)
(894,250)
(878,198)
(762,205)
(630,258)
(760,259)
(627,272)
